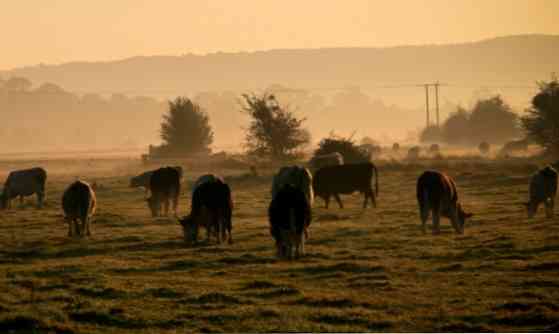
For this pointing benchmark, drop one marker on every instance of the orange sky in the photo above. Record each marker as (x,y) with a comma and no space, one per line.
(56,31)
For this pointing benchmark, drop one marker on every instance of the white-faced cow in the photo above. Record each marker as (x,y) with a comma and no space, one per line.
(543,188)
(78,204)
(299,177)
(346,179)
(165,186)
(289,215)
(436,194)
(211,208)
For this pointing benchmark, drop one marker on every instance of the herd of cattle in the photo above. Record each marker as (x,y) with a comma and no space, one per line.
(290,211)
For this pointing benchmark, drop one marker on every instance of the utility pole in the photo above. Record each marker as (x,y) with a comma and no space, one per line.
(436,84)
(427,104)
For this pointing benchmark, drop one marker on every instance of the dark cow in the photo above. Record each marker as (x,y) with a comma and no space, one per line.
(23,183)
(143,179)
(211,208)
(414,152)
(436,193)
(324,160)
(543,188)
(78,204)
(165,185)
(346,179)
(289,214)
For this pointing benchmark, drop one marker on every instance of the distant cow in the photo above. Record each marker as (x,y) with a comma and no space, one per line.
(165,186)
(413,153)
(289,215)
(484,147)
(436,193)
(78,203)
(23,183)
(143,179)
(434,148)
(543,188)
(330,159)
(211,208)
(346,179)
(299,177)
(514,146)
(395,147)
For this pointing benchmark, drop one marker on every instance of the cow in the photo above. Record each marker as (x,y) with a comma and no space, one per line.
(395,147)
(79,204)
(434,148)
(484,148)
(164,186)
(299,177)
(289,215)
(211,208)
(143,179)
(436,193)
(346,179)
(543,188)
(23,183)
(413,153)
(324,160)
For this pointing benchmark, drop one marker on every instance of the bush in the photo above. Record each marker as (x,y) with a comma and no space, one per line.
(345,146)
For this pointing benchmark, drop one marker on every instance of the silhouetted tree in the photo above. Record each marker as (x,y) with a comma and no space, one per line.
(351,152)
(274,131)
(456,129)
(17,84)
(185,128)
(431,133)
(493,120)
(542,121)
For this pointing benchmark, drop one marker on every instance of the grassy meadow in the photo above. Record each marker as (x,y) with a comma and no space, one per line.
(365,270)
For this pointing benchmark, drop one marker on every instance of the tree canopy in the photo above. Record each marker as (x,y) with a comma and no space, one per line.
(185,128)
(274,130)
(542,120)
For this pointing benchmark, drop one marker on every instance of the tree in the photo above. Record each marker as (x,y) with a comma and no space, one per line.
(185,128)
(274,131)
(17,84)
(351,152)
(432,133)
(542,120)
(492,120)
(456,129)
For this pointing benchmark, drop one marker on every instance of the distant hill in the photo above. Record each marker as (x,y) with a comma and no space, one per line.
(503,61)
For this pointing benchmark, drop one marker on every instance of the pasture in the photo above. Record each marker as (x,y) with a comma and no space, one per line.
(365,270)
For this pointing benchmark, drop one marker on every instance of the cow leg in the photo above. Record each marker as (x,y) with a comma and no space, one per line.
(20,200)
(549,204)
(40,199)
(87,224)
(424,213)
(373,198)
(175,204)
(436,222)
(326,201)
(339,200)
(166,206)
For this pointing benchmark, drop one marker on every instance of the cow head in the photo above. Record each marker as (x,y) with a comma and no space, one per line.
(154,206)
(190,229)
(462,216)
(134,183)
(3,201)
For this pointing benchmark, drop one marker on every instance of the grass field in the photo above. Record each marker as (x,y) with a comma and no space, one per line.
(365,270)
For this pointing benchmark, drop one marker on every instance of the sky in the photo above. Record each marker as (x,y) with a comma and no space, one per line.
(58,31)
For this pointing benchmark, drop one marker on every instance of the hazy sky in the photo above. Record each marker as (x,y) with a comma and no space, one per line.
(55,31)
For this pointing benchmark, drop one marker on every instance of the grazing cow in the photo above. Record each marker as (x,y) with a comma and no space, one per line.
(299,177)
(346,179)
(395,147)
(436,193)
(165,185)
(330,159)
(434,148)
(22,183)
(212,208)
(543,188)
(289,215)
(143,179)
(78,204)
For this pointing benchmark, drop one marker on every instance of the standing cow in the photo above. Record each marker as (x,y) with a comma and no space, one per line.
(79,204)
(212,208)
(143,180)
(164,186)
(436,193)
(543,188)
(289,215)
(22,183)
(346,179)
